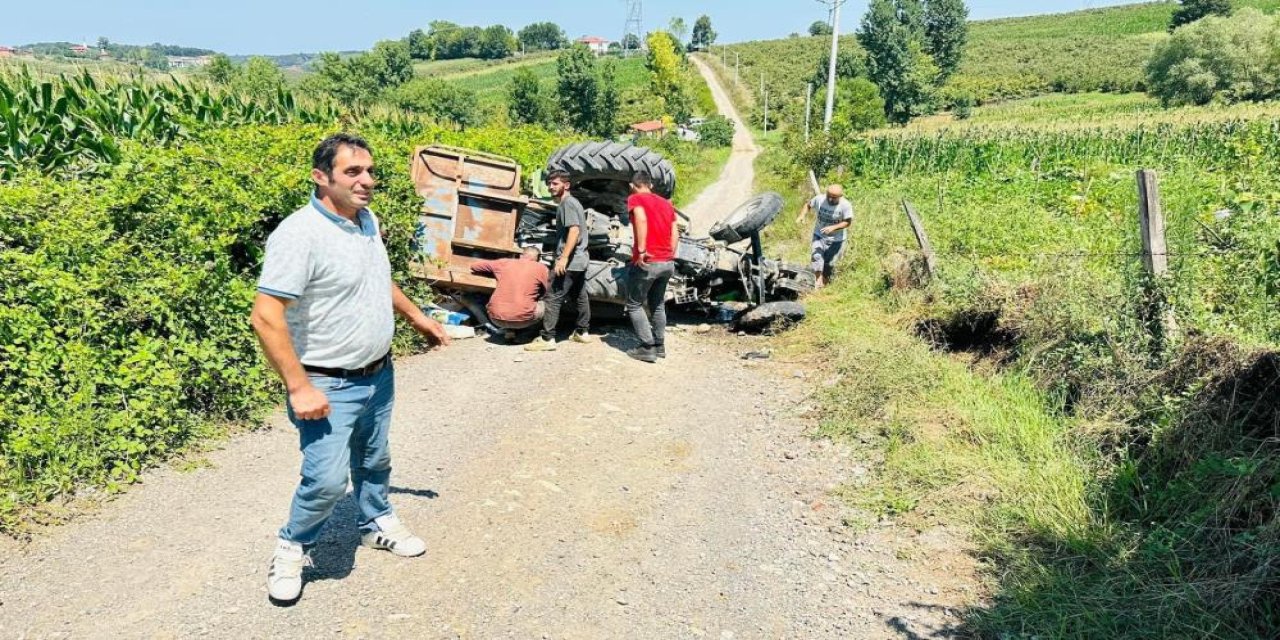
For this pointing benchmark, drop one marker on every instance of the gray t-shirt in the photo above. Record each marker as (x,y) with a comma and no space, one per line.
(829,214)
(338,276)
(570,213)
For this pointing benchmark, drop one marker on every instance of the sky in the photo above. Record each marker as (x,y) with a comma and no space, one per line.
(241,27)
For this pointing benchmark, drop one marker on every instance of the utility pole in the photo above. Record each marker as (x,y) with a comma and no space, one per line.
(736,63)
(808,109)
(762,83)
(831,66)
(766,112)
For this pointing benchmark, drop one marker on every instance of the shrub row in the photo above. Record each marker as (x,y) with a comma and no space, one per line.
(124,303)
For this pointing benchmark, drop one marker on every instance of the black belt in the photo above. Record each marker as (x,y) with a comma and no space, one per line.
(366,370)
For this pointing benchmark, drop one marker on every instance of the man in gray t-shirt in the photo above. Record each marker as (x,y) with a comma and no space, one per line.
(834,215)
(325,314)
(569,271)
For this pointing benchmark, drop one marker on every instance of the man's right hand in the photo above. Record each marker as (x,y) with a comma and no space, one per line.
(562,267)
(309,403)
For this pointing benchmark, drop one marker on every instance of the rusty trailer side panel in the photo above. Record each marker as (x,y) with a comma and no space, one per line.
(471,204)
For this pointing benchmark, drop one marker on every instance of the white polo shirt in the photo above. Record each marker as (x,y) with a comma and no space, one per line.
(338,276)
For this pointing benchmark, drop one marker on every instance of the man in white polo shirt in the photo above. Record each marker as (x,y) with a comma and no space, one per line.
(325,316)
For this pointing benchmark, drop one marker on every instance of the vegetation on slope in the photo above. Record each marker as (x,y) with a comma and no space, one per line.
(1122,480)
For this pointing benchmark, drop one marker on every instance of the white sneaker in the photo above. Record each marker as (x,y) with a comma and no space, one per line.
(539,344)
(284,578)
(393,536)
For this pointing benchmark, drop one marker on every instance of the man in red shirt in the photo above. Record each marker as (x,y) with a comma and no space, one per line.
(653,254)
(516,303)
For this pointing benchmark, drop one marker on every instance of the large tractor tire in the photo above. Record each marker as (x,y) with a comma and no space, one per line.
(614,162)
(770,316)
(754,215)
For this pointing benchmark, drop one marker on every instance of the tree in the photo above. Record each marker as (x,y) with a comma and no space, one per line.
(911,15)
(663,63)
(820,28)
(1218,58)
(259,77)
(351,81)
(703,35)
(1192,10)
(946,30)
(678,30)
(103,43)
(393,63)
(496,42)
(610,100)
(450,41)
(859,107)
(220,69)
(631,42)
(897,62)
(526,103)
(716,131)
(850,63)
(438,99)
(419,45)
(543,36)
(578,87)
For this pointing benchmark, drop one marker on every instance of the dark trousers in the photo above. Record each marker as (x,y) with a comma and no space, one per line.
(570,286)
(647,300)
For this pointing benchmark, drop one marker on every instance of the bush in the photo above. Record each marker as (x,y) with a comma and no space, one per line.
(1227,59)
(717,131)
(439,100)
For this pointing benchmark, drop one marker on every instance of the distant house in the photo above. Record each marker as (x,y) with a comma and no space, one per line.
(650,128)
(596,44)
(7,52)
(79,48)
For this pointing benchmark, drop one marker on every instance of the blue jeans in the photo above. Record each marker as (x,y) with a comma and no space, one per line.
(352,439)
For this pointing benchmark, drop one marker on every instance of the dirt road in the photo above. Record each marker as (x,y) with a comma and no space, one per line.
(574,494)
(735,184)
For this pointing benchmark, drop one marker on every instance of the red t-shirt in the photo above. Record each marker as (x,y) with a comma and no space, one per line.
(659,218)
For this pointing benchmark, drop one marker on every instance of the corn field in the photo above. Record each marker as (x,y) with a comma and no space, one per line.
(75,122)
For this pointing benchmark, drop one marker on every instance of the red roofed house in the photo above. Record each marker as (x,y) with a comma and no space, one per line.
(79,48)
(596,44)
(6,52)
(654,128)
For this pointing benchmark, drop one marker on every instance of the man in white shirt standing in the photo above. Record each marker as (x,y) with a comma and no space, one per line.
(325,315)
(834,215)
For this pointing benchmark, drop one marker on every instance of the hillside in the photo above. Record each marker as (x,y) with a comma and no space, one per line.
(1092,50)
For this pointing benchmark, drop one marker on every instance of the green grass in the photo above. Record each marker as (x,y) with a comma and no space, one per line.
(1121,486)
(453,69)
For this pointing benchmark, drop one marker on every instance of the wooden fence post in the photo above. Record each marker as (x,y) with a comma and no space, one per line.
(1155,253)
(930,261)
(813,182)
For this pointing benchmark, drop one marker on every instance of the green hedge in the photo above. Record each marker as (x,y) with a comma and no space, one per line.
(124,306)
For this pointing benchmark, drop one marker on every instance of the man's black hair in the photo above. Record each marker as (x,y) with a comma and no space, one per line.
(559,174)
(322,158)
(642,179)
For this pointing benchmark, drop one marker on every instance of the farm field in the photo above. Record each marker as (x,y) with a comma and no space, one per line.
(491,85)
(452,69)
(1085,51)
(1062,111)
